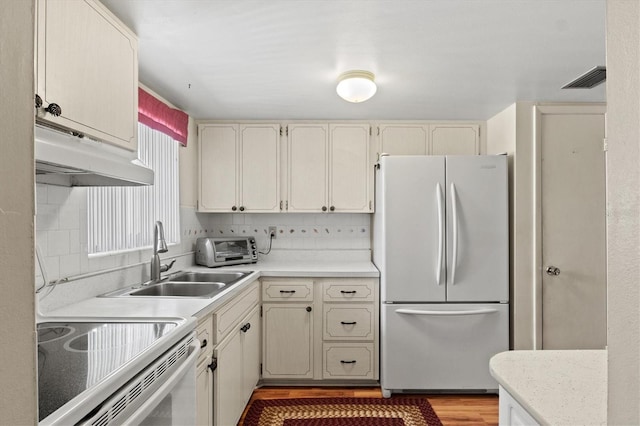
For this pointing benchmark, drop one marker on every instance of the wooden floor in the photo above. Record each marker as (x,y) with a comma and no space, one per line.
(477,410)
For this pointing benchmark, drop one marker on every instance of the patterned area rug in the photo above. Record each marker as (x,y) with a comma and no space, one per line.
(341,412)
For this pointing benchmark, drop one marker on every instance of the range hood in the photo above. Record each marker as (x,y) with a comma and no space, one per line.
(66,160)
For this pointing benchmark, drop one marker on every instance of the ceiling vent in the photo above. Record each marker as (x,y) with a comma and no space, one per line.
(590,79)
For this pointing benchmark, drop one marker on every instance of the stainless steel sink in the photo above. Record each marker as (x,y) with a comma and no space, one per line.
(185,284)
(203,277)
(178,289)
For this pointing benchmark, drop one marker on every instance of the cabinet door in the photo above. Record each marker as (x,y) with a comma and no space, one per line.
(218,179)
(204,394)
(404,139)
(307,177)
(251,354)
(260,168)
(455,139)
(227,393)
(87,62)
(288,341)
(350,171)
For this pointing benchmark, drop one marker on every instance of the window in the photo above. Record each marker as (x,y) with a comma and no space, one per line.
(122,218)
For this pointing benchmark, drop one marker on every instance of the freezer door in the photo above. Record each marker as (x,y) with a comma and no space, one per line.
(441,346)
(409,228)
(477,229)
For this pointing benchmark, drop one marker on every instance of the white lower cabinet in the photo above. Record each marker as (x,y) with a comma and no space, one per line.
(230,340)
(320,329)
(204,394)
(512,413)
(204,373)
(238,370)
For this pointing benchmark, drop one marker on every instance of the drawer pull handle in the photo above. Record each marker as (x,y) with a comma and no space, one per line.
(348,323)
(246,327)
(287,291)
(348,292)
(204,344)
(348,362)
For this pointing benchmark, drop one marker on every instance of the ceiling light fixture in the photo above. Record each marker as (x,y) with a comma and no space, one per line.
(356,86)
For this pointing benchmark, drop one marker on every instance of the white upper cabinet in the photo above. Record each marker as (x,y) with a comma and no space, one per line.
(455,139)
(307,167)
(350,168)
(429,139)
(239,168)
(87,64)
(329,168)
(404,139)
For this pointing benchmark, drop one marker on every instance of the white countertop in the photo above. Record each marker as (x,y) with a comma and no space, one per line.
(556,387)
(154,307)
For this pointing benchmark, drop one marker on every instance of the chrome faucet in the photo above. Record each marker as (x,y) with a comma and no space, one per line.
(159,246)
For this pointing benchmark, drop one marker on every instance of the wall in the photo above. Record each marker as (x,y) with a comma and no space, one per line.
(511,131)
(623,227)
(18,404)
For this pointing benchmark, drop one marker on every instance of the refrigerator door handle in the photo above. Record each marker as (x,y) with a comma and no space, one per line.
(440,234)
(454,236)
(446,313)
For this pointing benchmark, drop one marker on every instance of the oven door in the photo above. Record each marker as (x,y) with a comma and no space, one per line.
(163,394)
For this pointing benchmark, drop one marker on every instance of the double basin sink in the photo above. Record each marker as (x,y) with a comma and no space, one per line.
(185,284)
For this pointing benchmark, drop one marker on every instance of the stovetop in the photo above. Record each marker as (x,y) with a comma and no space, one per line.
(74,356)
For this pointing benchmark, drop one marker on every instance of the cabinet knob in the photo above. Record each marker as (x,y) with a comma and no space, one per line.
(324,208)
(234,208)
(241,208)
(38,101)
(308,308)
(203,344)
(332,208)
(54,109)
(245,327)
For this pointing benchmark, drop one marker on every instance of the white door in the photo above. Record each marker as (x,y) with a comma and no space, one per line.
(260,168)
(411,210)
(350,169)
(573,231)
(404,139)
(307,177)
(477,229)
(452,139)
(218,181)
(288,341)
(441,346)
(88,65)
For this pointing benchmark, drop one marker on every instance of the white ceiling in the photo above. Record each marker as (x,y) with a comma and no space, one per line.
(433,59)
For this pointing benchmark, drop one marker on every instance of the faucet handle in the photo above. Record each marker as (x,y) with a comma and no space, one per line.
(165,267)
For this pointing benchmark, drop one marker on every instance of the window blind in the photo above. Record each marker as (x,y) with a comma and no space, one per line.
(122,218)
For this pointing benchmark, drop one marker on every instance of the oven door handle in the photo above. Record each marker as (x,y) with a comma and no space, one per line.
(152,402)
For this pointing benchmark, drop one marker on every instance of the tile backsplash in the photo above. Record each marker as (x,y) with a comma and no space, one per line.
(61,235)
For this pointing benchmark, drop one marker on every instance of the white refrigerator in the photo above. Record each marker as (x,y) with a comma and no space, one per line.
(440,241)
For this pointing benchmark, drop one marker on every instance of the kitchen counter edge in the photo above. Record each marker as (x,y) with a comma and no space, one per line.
(556,387)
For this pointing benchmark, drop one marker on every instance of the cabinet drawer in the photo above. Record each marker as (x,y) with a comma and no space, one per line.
(230,314)
(205,336)
(348,290)
(348,322)
(287,291)
(348,361)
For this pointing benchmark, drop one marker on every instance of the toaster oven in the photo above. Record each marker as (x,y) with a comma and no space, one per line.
(223,251)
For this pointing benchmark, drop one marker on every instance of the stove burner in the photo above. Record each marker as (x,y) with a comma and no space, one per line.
(50,334)
(81,344)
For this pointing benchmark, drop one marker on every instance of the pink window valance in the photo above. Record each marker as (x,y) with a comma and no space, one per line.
(159,116)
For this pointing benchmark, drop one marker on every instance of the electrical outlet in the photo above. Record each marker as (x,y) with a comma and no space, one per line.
(273,232)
